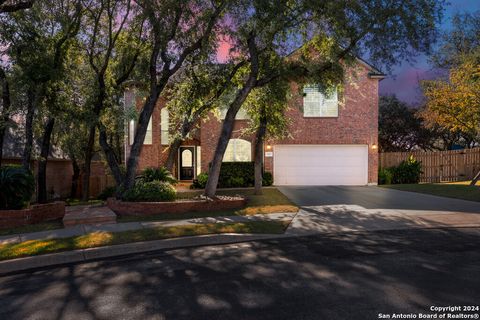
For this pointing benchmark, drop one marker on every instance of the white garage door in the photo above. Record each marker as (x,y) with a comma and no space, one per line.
(320,164)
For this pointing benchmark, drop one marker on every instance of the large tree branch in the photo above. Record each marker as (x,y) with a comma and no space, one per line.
(200,41)
(12,6)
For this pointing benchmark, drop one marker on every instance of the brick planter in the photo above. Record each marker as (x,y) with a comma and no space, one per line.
(122,208)
(34,214)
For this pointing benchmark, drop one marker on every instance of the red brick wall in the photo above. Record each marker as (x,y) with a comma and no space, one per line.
(155,208)
(151,153)
(156,154)
(209,138)
(357,122)
(35,214)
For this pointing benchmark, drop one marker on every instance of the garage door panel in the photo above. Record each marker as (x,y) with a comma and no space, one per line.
(321,165)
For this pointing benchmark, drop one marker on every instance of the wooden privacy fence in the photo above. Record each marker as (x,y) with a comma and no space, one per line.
(439,166)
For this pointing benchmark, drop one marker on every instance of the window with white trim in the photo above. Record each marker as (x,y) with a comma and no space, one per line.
(238,150)
(199,159)
(148,134)
(131,132)
(164,123)
(319,104)
(241,114)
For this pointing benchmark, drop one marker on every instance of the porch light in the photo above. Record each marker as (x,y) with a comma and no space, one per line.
(374,146)
(269,147)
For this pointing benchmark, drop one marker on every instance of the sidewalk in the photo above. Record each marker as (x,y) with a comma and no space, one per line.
(308,221)
(120,227)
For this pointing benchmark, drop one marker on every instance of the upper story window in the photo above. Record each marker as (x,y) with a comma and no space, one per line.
(241,114)
(164,122)
(238,150)
(319,104)
(148,134)
(131,131)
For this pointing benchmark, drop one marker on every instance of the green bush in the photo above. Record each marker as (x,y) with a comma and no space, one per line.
(154,191)
(267,179)
(200,182)
(407,171)
(108,192)
(385,176)
(236,174)
(157,174)
(236,182)
(16,187)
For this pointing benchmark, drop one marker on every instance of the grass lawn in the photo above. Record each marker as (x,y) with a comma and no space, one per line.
(44,226)
(99,239)
(78,202)
(459,190)
(271,201)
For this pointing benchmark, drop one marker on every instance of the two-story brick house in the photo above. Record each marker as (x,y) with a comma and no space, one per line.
(333,140)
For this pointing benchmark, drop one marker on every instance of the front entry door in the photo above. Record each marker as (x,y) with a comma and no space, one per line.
(187,163)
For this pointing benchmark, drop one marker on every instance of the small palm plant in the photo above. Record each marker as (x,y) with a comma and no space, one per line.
(16,187)
(157,174)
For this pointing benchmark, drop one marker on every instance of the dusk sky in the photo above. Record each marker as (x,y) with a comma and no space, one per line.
(404,78)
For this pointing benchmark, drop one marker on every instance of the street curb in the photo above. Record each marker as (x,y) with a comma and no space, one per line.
(33,263)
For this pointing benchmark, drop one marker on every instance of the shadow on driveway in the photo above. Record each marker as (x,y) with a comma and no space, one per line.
(375,198)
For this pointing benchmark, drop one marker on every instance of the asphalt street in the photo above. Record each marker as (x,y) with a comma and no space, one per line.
(349,276)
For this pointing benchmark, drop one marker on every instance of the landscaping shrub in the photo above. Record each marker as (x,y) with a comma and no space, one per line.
(151,191)
(236,174)
(385,176)
(16,187)
(108,192)
(267,179)
(235,182)
(407,172)
(200,182)
(157,174)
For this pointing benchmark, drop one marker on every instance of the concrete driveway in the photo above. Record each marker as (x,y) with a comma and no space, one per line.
(341,208)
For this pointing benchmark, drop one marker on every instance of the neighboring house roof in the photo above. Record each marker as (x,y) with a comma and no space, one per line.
(14,142)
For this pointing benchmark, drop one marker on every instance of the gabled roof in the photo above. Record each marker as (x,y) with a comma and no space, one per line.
(374,72)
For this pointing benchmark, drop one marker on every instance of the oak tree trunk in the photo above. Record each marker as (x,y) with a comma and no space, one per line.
(75,177)
(42,164)
(27,150)
(172,153)
(112,161)
(136,147)
(227,127)
(259,140)
(475,179)
(226,133)
(177,142)
(5,110)
(87,164)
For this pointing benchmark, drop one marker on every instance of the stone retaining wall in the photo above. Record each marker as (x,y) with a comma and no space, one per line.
(34,214)
(156,208)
